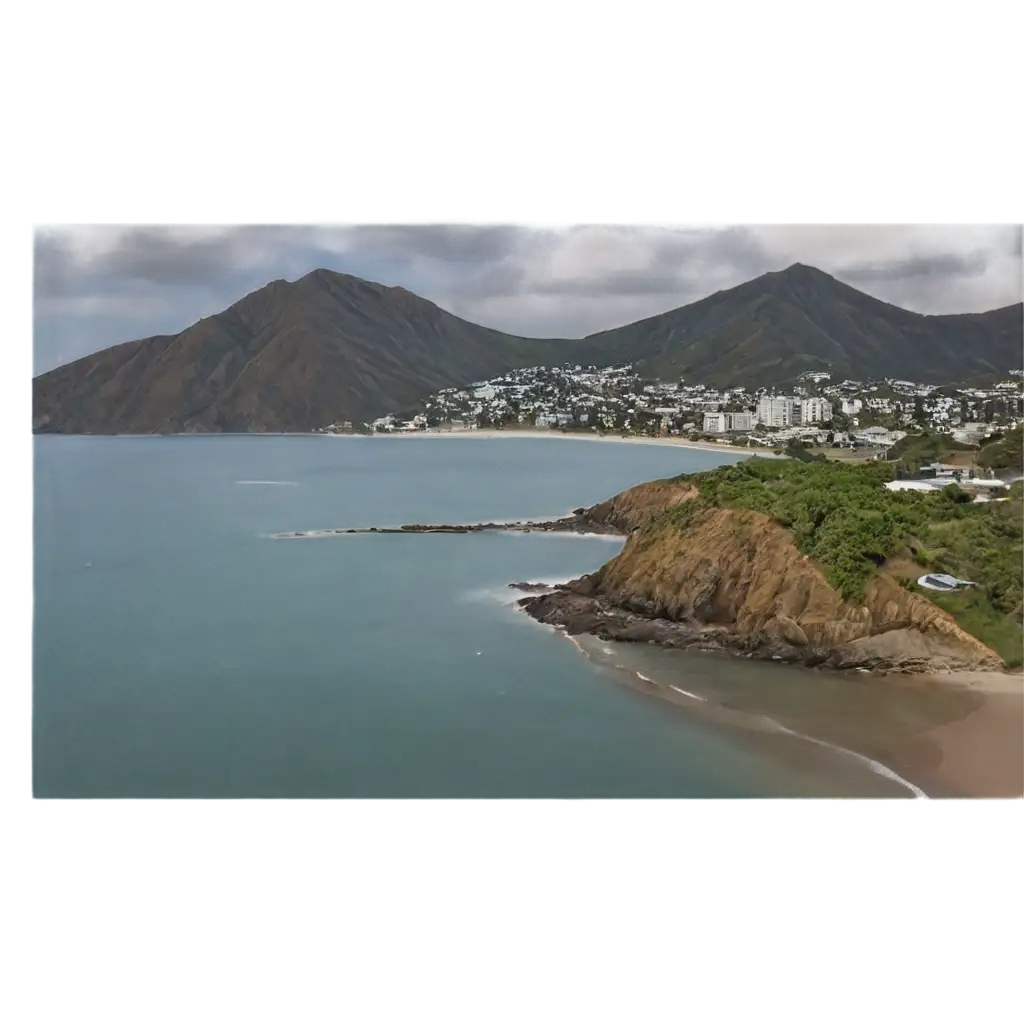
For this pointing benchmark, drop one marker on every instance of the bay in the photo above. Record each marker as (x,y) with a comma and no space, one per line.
(182,652)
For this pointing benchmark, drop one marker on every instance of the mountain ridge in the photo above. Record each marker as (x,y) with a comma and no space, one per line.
(297,355)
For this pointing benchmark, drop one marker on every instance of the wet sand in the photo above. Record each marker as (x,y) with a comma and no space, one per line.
(982,753)
(951,735)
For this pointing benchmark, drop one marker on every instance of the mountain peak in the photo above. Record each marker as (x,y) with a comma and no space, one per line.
(331,346)
(804,270)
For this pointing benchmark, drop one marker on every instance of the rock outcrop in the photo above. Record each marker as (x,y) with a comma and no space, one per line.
(730,579)
(734,579)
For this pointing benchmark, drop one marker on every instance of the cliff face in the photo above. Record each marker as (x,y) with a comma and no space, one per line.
(735,578)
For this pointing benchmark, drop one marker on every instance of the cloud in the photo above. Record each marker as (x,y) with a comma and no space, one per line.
(639,272)
(444,242)
(96,305)
(99,285)
(72,256)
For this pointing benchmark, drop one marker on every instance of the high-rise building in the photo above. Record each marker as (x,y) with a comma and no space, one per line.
(775,410)
(815,410)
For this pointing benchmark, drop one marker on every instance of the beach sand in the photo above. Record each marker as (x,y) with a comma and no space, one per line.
(948,735)
(981,754)
(558,435)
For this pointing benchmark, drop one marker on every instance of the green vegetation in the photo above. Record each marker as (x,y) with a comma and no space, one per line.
(843,517)
(798,450)
(1007,454)
(915,450)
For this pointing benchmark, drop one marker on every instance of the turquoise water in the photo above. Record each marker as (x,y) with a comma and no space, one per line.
(180,651)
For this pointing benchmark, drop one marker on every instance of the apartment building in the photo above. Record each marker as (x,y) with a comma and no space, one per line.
(775,411)
(815,410)
(722,422)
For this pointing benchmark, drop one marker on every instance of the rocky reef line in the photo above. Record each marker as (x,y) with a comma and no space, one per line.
(578,522)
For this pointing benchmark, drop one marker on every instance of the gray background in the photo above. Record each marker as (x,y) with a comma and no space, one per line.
(632,916)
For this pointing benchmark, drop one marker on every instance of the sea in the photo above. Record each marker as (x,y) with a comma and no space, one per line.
(182,650)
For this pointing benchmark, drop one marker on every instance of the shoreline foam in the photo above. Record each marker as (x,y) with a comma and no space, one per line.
(976,752)
(736,721)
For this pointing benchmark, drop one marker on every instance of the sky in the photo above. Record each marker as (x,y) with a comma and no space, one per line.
(99,286)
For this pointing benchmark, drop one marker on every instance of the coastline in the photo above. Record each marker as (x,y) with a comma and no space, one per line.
(947,735)
(493,435)
(485,435)
(982,753)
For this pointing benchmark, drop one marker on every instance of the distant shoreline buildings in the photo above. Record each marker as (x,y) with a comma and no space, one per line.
(616,398)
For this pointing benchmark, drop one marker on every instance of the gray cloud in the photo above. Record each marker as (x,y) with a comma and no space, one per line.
(97,286)
(966,254)
(675,263)
(459,243)
(942,264)
(145,255)
(141,254)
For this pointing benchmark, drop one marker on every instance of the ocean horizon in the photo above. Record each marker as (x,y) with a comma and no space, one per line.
(182,651)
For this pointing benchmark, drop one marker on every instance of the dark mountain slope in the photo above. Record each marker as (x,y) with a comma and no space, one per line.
(771,329)
(329,347)
(290,356)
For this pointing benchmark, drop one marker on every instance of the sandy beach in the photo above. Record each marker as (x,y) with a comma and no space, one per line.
(982,754)
(492,435)
(955,734)
(946,735)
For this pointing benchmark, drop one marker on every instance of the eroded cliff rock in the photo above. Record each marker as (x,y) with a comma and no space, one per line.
(734,578)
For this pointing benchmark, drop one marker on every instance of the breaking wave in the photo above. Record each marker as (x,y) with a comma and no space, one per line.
(875,766)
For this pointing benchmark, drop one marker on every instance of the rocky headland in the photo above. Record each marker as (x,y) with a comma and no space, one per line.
(736,582)
(708,563)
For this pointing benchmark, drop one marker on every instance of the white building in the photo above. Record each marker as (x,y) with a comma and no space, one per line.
(554,419)
(720,422)
(875,435)
(714,423)
(852,406)
(815,410)
(775,411)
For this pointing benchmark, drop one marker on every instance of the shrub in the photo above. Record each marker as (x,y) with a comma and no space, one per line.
(843,517)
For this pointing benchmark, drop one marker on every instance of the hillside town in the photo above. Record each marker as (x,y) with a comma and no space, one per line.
(615,399)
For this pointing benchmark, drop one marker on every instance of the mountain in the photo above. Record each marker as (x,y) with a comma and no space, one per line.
(770,330)
(293,356)
(288,357)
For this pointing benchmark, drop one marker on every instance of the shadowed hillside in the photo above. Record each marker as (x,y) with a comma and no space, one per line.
(294,356)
